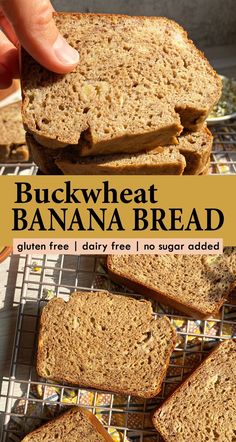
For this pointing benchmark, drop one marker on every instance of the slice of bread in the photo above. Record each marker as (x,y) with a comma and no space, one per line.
(197,285)
(191,158)
(108,342)
(167,161)
(205,169)
(203,408)
(4,93)
(12,143)
(139,82)
(195,147)
(77,424)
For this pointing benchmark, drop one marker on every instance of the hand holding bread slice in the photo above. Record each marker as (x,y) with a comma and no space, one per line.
(140,82)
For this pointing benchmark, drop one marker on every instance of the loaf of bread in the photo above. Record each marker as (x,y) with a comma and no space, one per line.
(139,82)
(75,425)
(108,342)
(203,408)
(191,156)
(197,285)
(5,93)
(12,143)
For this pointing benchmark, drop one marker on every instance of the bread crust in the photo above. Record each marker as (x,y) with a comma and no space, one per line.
(72,411)
(163,298)
(184,384)
(197,162)
(205,170)
(12,143)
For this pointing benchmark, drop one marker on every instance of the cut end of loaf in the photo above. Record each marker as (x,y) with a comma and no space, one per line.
(138,78)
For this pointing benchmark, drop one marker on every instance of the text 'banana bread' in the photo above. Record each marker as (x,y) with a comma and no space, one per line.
(75,425)
(203,408)
(197,285)
(105,341)
(139,82)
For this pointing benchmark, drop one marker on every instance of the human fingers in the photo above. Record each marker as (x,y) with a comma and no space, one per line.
(36,30)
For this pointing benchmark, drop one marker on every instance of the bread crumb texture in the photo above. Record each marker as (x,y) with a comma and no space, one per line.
(12,143)
(200,283)
(204,407)
(190,157)
(139,81)
(105,341)
(75,425)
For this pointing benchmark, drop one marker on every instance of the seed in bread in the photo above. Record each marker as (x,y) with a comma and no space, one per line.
(108,342)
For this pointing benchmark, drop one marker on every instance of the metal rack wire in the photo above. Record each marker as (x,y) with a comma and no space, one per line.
(30,400)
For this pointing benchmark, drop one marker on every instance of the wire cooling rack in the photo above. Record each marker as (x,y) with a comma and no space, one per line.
(18,169)
(30,401)
(223,157)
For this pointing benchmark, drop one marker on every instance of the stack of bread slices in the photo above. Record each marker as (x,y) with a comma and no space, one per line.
(136,103)
(12,144)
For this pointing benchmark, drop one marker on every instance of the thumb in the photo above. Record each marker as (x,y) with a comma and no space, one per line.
(36,30)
